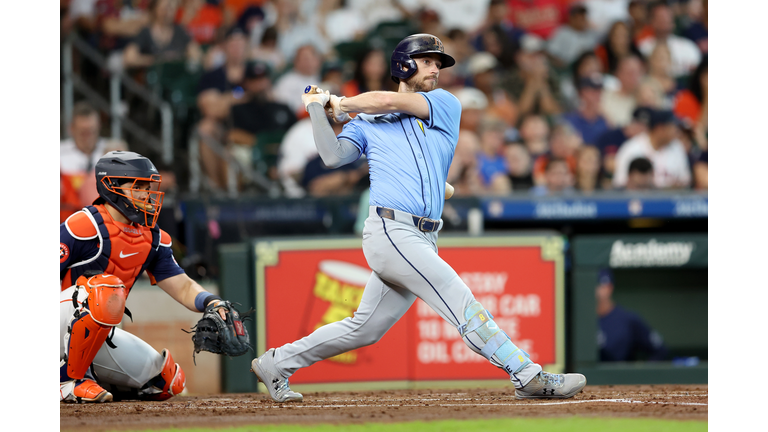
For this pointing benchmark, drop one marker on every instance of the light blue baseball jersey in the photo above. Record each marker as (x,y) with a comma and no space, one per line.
(408,158)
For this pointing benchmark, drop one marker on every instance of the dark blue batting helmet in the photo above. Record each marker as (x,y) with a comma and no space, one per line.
(422,43)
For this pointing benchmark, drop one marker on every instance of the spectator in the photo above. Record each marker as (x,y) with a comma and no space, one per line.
(162,40)
(218,91)
(267,51)
(701,172)
(611,140)
(306,69)
(564,142)
(490,159)
(572,39)
(623,335)
(662,147)
(321,181)
(661,76)
(463,174)
(685,54)
(69,202)
(640,177)
(118,23)
(534,133)
(495,42)
(538,17)
(258,113)
(519,166)
(296,150)
(340,23)
(691,104)
(588,119)
(617,105)
(332,77)
(587,169)
(474,105)
(483,68)
(638,20)
(498,18)
(81,15)
(371,74)
(296,31)
(200,19)
(603,13)
(534,85)
(79,154)
(466,15)
(617,45)
(699,29)
(558,180)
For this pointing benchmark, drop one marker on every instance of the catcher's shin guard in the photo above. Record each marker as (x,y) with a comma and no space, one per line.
(89,327)
(168,383)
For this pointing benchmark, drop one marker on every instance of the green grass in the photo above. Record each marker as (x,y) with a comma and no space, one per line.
(577,424)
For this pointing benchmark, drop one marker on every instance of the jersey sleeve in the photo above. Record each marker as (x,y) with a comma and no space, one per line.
(73,250)
(444,112)
(164,264)
(353,132)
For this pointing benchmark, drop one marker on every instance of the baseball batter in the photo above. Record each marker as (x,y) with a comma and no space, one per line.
(409,138)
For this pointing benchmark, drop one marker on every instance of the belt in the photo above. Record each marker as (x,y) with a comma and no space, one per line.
(422,223)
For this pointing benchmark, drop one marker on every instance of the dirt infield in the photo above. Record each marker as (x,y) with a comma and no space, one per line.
(680,402)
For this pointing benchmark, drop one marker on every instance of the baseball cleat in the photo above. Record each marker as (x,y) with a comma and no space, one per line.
(264,368)
(552,386)
(85,391)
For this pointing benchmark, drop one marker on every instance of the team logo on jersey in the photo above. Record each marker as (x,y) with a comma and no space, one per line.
(421,126)
(63,252)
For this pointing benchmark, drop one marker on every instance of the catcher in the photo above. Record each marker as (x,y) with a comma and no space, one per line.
(104,248)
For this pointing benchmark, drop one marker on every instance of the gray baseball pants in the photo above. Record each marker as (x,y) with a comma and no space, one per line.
(405,266)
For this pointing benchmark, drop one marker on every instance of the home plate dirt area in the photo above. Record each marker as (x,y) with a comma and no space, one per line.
(672,402)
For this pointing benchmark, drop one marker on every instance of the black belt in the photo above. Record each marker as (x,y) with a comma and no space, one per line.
(422,223)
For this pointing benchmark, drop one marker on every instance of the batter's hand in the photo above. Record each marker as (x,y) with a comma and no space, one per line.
(339,116)
(314,94)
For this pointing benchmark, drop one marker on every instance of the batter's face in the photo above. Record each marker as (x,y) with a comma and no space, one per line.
(427,73)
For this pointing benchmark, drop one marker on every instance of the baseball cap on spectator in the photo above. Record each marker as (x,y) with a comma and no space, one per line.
(594,81)
(256,69)
(331,66)
(481,62)
(577,8)
(642,115)
(472,98)
(531,43)
(605,276)
(662,117)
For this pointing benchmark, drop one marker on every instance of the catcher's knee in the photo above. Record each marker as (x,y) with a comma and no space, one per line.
(94,318)
(496,342)
(170,382)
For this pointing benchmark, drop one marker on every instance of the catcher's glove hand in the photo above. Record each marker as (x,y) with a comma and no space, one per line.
(219,336)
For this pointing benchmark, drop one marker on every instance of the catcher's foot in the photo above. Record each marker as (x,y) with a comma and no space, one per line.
(83,391)
(264,368)
(552,386)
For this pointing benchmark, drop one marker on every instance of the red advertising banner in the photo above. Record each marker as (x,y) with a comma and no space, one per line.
(304,285)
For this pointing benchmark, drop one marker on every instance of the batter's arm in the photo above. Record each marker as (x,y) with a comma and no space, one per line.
(334,152)
(383,102)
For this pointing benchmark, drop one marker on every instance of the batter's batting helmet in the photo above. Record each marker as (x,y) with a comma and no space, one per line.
(121,179)
(421,43)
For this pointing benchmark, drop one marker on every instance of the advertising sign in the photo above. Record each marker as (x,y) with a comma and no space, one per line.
(303,285)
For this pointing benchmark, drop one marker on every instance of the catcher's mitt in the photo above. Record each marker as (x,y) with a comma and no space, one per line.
(215,335)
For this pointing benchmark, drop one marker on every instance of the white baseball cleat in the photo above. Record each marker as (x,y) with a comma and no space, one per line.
(552,386)
(264,368)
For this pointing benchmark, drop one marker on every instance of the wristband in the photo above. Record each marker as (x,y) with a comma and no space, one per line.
(202,299)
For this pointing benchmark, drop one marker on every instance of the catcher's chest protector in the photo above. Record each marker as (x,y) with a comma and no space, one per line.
(126,250)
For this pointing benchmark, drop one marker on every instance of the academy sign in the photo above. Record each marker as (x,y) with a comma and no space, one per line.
(651,254)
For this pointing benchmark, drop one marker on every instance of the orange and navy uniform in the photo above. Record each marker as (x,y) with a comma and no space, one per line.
(92,240)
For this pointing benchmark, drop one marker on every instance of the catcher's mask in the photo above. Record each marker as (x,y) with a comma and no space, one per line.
(130,183)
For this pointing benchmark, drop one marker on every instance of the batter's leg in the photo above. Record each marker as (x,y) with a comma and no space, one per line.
(401,254)
(381,306)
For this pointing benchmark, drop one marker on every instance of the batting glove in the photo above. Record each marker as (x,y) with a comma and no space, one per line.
(338,114)
(315,94)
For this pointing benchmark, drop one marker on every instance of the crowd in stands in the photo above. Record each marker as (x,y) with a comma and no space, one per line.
(558,96)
